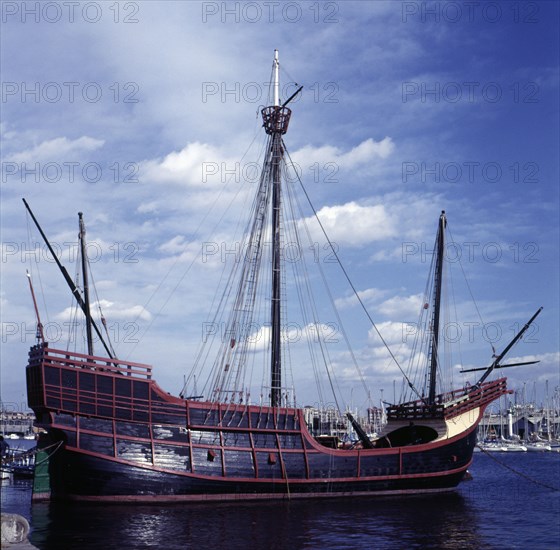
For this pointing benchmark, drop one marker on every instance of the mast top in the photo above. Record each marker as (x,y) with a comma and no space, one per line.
(275,81)
(276,117)
(443,221)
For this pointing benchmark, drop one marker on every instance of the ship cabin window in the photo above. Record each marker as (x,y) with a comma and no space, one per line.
(123,387)
(69,378)
(52,376)
(140,390)
(105,384)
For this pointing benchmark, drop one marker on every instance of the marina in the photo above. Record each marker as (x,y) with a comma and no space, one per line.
(16,424)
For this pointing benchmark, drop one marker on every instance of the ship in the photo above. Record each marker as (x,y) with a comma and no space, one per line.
(112,434)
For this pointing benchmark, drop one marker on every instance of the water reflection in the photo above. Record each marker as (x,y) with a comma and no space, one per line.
(442,521)
(483,514)
(16,496)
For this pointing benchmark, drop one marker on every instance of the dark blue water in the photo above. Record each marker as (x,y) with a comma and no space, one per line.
(498,509)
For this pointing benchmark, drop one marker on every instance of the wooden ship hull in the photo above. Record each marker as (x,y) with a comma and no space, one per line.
(115,435)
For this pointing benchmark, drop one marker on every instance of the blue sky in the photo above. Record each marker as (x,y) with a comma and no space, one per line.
(135,113)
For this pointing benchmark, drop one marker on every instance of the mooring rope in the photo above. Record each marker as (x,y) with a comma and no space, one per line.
(529,478)
(49,455)
(7,460)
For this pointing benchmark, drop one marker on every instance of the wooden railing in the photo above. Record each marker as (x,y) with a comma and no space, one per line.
(451,403)
(41,353)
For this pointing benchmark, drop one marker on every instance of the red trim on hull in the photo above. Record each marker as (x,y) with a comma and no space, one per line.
(246,497)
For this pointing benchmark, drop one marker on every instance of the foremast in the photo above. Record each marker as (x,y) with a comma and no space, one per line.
(438,279)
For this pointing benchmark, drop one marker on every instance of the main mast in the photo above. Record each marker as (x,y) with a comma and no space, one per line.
(440,243)
(275,122)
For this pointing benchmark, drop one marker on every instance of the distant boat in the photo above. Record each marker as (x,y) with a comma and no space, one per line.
(24,471)
(5,475)
(18,463)
(493,447)
(513,444)
(122,438)
(538,446)
(514,447)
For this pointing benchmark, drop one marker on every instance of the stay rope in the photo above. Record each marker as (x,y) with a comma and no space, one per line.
(517,472)
(354,290)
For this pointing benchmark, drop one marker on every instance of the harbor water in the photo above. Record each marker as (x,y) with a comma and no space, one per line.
(508,504)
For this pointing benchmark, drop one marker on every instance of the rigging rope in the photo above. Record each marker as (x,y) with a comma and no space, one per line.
(101,316)
(6,460)
(310,294)
(521,474)
(195,234)
(74,308)
(470,292)
(239,321)
(411,385)
(38,270)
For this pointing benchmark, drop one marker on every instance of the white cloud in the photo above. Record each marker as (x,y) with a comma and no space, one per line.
(148,208)
(402,307)
(365,153)
(197,164)
(174,245)
(548,367)
(179,249)
(367,296)
(184,166)
(292,334)
(60,148)
(111,311)
(355,225)
(391,331)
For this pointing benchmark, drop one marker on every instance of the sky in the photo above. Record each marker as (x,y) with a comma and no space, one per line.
(145,117)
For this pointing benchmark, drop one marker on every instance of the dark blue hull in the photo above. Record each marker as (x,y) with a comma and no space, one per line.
(81,477)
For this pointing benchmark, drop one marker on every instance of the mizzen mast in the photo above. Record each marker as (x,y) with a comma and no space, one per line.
(40,333)
(70,282)
(87,310)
